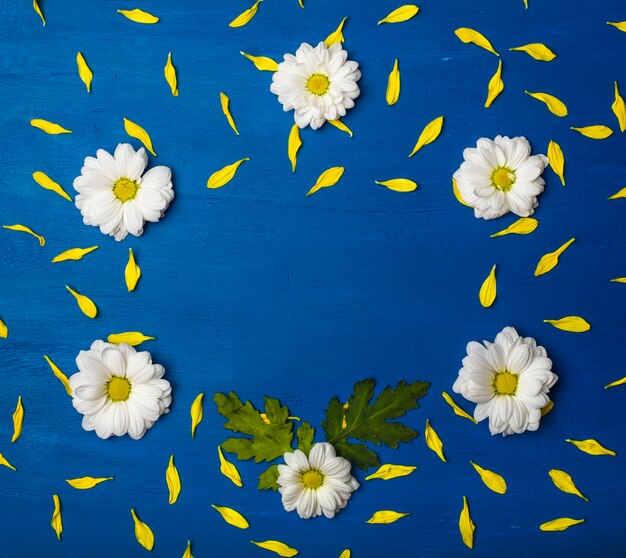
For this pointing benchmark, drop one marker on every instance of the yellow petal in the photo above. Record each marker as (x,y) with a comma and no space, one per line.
(526,3)
(591,447)
(618,195)
(468,35)
(457,194)
(555,106)
(621,25)
(276,546)
(139,16)
(188,553)
(57,372)
(224,100)
(84,71)
(56,522)
(388,471)
(232,517)
(619,109)
(49,127)
(466,525)
(565,483)
(74,254)
(495,87)
(301,2)
(433,441)
(46,182)
(132,272)
(328,178)
(340,126)
(393,85)
(525,225)
(22,228)
(403,13)
(619,382)
(228,469)
(429,134)
(293,145)
(492,480)
(224,176)
(39,12)
(85,483)
(172,478)
(457,410)
(18,419)
(337,35)
(4,330)
(549,261)
(132,338)
(594,132)
(560,524)
(5,463)
(245,17)
(557,161)
(399,184)
(545,410)
(385,517)
(538,51)
(262,63)
(196,413)
(345,553)
(136,131)
(143,533)
(85,304)
(170,75)
(264,418)
(487,293)
(575,324)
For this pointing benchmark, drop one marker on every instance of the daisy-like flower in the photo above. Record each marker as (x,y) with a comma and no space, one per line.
(118,390)
(319,484)
(509,380)
(115,194)
(501,175)
(318,83)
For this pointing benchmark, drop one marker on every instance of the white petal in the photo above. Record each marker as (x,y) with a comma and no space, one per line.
(297,460)
(120,419)
(133,218)
(90,392)
(114,361)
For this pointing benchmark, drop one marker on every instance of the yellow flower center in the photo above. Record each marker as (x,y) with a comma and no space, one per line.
(118,389)
(312,479)
(125,189)
(505,383)
(318,84)
(503,178)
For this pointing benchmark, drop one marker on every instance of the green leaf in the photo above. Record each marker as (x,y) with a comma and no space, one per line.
(371,422)
(305,437)
(268,478)
(264,442)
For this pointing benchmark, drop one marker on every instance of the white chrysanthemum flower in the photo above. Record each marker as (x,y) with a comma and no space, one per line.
(509,380)
(318,83)
(118,390)
(115,194)
(501,175)
(319,484)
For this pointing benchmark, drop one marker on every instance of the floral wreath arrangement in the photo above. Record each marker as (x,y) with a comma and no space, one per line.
(118,390)
(315,478)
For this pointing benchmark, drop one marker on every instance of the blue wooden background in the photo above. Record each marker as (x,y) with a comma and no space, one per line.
(259,289)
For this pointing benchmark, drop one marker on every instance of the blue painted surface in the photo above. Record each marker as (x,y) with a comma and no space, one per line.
(258,289)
